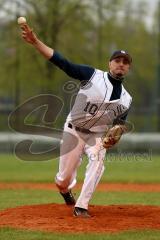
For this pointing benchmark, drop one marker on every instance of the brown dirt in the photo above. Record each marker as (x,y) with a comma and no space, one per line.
(59,218)
(129,187)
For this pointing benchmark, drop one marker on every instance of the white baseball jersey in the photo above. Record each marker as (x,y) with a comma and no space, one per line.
(93,109)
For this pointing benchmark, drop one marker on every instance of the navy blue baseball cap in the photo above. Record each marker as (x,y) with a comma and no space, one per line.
(121,53)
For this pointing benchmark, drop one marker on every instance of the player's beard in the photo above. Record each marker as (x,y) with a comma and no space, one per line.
(119,75)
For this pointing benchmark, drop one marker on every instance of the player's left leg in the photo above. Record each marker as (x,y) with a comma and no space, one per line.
(94,171)
(71,149)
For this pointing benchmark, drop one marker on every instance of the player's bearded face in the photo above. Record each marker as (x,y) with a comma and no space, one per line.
(119,67)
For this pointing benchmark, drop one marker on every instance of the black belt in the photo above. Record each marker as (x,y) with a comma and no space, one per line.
(83,130)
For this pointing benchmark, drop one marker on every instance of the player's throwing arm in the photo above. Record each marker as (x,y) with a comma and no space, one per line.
(30,37)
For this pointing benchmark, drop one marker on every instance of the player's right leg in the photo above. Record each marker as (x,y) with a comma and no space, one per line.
(71,150)
(94,171)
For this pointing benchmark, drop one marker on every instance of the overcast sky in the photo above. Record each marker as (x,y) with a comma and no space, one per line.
(152,3)
(152,6)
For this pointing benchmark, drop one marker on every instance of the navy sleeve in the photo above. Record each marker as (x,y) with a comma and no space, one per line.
(77,71)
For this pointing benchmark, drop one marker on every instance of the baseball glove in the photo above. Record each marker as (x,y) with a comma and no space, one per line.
(112,136)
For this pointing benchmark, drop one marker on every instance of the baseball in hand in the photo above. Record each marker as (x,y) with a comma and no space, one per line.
(21,20)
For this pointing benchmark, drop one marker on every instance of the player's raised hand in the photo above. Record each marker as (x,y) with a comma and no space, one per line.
(30,37)
(27,33)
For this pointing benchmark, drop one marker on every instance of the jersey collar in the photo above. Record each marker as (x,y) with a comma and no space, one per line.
(115,80)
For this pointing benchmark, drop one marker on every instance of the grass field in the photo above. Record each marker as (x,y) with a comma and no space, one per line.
(127,170)
(117,170)
(8,233)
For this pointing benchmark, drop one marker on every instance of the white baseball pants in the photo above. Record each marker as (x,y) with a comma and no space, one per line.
(74,145)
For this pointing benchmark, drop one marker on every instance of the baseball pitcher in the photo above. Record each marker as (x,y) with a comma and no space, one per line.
(97,119)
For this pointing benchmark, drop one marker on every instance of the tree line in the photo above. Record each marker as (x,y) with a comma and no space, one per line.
(85,32)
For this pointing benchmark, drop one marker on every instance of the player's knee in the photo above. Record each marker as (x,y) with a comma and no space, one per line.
(62,184)
(96,158)
(97,155)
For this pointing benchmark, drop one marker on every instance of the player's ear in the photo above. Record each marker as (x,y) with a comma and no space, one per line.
(109,64)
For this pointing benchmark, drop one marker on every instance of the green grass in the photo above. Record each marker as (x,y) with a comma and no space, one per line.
(130,169)
(8,234)
(127,169)
(109,198)
(13,198)
(14,170)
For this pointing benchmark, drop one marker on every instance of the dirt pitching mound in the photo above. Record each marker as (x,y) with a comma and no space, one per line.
(59,218)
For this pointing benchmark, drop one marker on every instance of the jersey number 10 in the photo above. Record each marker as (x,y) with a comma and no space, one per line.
(91,108)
